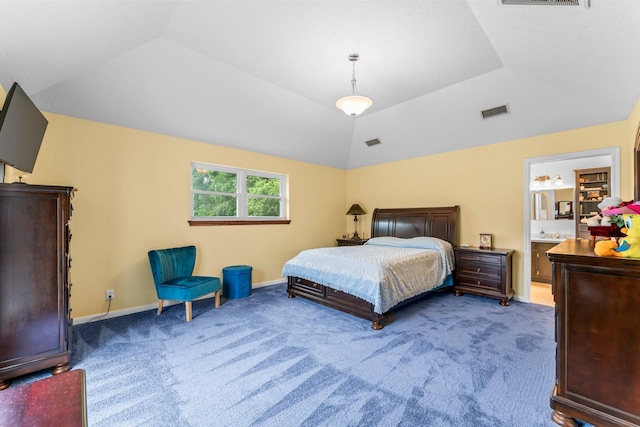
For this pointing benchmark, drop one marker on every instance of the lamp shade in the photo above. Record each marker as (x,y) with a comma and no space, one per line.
(354,104)
(356,209)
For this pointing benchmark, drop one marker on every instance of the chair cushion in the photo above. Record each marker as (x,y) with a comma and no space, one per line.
(188,288)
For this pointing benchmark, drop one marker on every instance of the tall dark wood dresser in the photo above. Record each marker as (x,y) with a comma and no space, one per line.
(35,322)
(597,322)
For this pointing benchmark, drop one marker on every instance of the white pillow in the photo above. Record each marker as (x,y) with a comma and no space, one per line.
(414,242)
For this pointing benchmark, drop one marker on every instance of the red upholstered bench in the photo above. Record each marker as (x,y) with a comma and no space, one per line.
(606,231)
(59,400)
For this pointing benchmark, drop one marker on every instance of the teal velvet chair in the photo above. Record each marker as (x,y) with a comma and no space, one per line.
(172,271)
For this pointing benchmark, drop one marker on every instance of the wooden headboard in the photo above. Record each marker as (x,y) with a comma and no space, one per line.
(413,222)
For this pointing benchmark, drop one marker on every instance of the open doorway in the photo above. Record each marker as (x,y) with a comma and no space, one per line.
(563,165)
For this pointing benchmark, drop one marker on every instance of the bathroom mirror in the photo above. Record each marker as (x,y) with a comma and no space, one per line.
(564,210)
(564,203)
(540,205)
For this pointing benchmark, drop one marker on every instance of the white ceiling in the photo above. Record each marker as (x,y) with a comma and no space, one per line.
(264,75)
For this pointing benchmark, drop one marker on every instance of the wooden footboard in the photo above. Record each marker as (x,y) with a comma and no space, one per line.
(335,299)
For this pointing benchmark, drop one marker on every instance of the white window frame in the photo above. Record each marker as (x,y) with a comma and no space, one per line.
(241,194)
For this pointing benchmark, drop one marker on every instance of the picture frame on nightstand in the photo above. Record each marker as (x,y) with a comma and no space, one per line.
(486,241)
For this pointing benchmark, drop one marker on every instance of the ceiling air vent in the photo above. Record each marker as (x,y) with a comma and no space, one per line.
(491,112)
(583,3)
(372,142)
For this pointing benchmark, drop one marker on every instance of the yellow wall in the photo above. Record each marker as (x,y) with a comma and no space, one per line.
(487,182)
(133,196)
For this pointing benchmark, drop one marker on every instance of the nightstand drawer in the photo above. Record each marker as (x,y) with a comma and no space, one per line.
(478,257)
(476,270)
(480,282)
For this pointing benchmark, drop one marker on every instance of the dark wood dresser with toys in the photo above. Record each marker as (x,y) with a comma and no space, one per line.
(597,328)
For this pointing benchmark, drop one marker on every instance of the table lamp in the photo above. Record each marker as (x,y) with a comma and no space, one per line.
(355,210)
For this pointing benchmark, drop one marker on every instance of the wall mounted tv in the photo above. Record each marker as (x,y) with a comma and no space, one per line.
(22,128)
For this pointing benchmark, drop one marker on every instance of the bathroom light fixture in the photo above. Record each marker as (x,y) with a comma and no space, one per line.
(354,104)
(546,180)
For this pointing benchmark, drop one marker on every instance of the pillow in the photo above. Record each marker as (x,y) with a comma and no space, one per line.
(414,242)
(385,241)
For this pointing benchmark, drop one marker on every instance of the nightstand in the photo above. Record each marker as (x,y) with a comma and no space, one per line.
(350,242)
(485,272)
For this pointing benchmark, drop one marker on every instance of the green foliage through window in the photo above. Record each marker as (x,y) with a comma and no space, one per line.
(226,193)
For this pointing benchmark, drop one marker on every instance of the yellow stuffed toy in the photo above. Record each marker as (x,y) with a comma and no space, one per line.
(606,248)
(629,246)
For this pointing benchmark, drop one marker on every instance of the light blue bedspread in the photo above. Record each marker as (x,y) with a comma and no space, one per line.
(384,272)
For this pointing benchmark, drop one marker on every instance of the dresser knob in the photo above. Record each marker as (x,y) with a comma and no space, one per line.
(478,270)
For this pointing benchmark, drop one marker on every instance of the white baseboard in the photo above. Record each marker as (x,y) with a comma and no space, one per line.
(154,306)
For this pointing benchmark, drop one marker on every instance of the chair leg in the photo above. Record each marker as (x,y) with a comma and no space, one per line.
(187,306)
(159,307)
(218,298)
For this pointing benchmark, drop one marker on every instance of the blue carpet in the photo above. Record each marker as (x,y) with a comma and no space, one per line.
(267,360)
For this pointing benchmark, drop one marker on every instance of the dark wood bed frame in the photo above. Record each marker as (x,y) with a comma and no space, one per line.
(401,222)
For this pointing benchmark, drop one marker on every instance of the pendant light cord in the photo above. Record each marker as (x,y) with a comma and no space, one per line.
(354,89)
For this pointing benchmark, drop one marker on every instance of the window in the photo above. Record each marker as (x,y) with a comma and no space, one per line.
(229,195)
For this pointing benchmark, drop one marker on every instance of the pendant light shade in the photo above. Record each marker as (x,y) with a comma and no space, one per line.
(354,104)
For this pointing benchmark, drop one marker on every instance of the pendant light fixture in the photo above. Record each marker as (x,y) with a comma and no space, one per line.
(354,104)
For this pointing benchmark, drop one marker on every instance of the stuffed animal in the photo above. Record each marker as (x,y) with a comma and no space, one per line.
(629,246)
(615,208)
(609,203)
(606,221)
(594,221)
(622,208)
(607,248)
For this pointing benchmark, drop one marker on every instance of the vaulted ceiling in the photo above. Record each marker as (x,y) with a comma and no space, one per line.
(265,75)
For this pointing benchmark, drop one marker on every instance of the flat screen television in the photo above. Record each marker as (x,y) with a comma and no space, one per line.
(22,128)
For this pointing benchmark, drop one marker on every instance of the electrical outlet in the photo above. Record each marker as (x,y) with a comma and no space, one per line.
(109,294)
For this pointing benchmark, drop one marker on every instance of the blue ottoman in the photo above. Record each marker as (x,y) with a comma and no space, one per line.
(236,281)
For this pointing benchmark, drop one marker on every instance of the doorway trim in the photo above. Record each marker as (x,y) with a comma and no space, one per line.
(614,152)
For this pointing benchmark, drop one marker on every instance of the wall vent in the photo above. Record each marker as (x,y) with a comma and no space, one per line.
(583,3)
(491,112)
(372,142)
